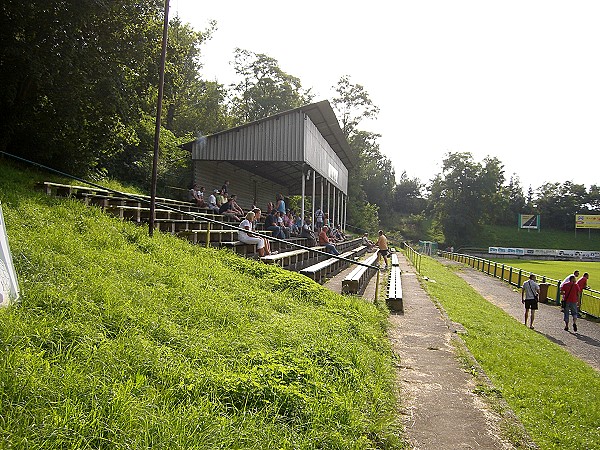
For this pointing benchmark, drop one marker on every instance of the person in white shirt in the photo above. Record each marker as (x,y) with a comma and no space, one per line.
(212,202)
(530,293)
(574,274)
(247,237)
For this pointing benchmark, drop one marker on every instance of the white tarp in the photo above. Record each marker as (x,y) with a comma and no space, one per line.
(9,286)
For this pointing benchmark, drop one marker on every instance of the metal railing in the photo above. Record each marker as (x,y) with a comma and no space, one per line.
(413,256)
(590,299)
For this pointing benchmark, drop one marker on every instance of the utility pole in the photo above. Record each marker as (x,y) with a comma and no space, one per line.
(161,82)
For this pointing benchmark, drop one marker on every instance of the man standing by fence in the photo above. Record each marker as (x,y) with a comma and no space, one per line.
(530,293)
(570,290)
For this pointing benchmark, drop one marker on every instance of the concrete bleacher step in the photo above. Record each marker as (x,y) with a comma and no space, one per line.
(332,265)
(356,281)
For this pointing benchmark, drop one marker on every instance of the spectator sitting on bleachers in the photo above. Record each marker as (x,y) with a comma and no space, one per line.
(281,224)
(221,198)
(270,207)
(225,187)
(247,237)
(195,195)
(200,202)
(236,208)
(271,225)
(212,201)
(337,234)
(280,204)
(308,233)
(370,244)
(298,223)
(227,209)
(288,221)
(257,216)
(324,240)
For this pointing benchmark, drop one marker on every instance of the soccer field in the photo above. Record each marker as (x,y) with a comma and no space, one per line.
(557,270)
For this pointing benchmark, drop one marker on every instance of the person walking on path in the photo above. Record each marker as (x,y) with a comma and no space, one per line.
(530,293)
(382,245)
(582,283)
(570,290)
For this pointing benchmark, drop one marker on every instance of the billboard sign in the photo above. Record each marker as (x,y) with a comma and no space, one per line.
(587,221)
(529,221)
(9,286)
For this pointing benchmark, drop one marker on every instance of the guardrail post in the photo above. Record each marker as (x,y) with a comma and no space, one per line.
(377,287)
(510,275)
(558,292)
(495,268)
(520,275)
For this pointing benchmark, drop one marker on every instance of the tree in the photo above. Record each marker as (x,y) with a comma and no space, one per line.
(353,105)
(74,77)
(511,202)
(460,195)
(558,203)
(264,89)
(408,195)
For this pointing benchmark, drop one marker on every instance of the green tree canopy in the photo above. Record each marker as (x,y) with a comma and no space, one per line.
(264,88)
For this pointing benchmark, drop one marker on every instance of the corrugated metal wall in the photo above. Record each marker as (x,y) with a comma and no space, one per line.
(320,155)
(212,174)
(277,139)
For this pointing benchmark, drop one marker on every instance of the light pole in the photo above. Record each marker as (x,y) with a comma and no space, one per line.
(161,82)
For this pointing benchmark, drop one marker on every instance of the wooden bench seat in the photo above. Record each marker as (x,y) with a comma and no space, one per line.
(331,265)
(294,259)
(136,214)
(344,246)
(105,201)
(394,292)
(356,281)
(67,190)
(215,236)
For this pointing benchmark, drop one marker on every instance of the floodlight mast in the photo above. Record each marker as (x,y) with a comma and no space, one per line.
(161,82)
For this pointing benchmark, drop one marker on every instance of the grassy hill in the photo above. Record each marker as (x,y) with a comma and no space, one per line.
(546,238)
(125,341)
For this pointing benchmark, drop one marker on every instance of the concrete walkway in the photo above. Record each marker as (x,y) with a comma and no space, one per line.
(439,409)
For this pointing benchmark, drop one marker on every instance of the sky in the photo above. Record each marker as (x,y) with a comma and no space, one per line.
(515,80)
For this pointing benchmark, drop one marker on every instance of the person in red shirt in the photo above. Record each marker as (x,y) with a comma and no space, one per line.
(582,283)
(570,291)
(324,240)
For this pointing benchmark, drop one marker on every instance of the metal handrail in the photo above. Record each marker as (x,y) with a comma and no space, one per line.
(190,213)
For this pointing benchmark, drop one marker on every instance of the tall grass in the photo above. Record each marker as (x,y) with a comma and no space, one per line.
(554,394)
(125,341)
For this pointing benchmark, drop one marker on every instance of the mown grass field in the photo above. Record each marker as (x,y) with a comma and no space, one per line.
(121,341)
(554,394)
(556,270)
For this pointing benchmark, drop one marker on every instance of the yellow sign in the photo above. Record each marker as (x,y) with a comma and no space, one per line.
(587,221)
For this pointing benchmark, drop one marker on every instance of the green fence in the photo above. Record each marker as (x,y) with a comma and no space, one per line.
(590,299)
